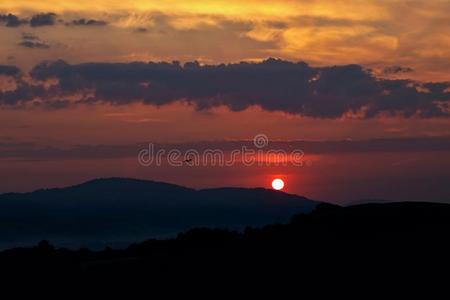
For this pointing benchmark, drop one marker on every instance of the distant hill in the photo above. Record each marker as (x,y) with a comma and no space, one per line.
(118,211)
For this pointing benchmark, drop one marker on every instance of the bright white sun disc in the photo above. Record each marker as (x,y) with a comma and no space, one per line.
(278,184)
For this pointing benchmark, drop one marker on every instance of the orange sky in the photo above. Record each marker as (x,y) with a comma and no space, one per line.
(177,123)
(374,33)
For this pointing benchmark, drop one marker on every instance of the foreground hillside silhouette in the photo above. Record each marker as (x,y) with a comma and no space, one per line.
(383,243)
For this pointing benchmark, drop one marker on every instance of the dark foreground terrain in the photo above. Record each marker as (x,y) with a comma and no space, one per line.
(380,244)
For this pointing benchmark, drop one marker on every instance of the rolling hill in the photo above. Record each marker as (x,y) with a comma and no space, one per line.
(118,211)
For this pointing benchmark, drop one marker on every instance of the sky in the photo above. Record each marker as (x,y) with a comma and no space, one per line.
(84,85)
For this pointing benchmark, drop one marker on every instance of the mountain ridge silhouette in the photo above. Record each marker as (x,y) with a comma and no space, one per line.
(127,210)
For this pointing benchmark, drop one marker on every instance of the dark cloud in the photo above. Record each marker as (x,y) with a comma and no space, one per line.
(277,24)
(32,41)
(141,30)
(46,19)
(9,70)
(11,20)
(33,44)
(29,37)
(87,22)
(274,85)
(23,93)
(397,70)
(43,19)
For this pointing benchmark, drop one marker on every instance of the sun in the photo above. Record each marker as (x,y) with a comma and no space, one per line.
(278,184)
